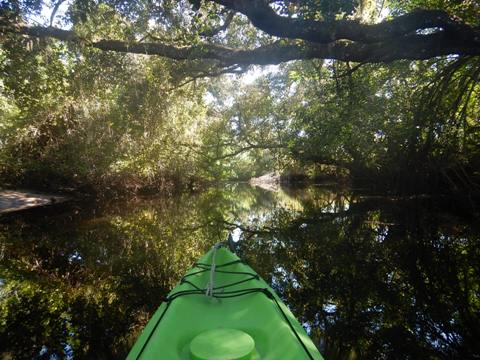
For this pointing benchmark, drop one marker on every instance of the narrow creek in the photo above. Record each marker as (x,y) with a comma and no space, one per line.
(368,277)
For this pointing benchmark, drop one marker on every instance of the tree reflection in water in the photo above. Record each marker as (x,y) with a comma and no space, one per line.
(369,277)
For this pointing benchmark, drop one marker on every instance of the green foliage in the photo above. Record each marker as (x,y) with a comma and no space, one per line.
(80,116)
(465,10)
(317,9)
(410,126)
(73,115)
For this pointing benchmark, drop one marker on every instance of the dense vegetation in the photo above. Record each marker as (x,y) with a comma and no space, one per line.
(82,106)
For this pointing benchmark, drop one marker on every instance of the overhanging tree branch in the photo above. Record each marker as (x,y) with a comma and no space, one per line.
(265,18)
(412,47)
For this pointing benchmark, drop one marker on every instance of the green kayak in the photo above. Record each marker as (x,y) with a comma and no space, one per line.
(222,310)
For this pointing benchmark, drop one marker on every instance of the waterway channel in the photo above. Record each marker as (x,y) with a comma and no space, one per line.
(368,276)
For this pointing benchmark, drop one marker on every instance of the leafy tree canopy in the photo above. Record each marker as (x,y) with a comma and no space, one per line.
(242,32)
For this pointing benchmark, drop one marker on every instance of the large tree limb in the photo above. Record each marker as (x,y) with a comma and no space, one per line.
(412,47)
(265,18)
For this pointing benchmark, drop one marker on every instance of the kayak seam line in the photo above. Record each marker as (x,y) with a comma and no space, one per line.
(153,330)
(220,287)
(272,297)
(220,271)
(208,266)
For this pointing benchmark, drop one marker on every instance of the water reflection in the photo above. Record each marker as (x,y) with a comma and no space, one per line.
(368,277)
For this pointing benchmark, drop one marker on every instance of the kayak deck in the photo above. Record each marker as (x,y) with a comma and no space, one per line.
(240,300)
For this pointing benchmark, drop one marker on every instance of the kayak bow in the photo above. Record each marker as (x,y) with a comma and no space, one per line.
(222,310)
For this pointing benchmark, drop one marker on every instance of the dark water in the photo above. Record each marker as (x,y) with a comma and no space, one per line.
(369,277)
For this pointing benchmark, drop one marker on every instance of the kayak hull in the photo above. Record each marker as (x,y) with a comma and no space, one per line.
(240,300)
